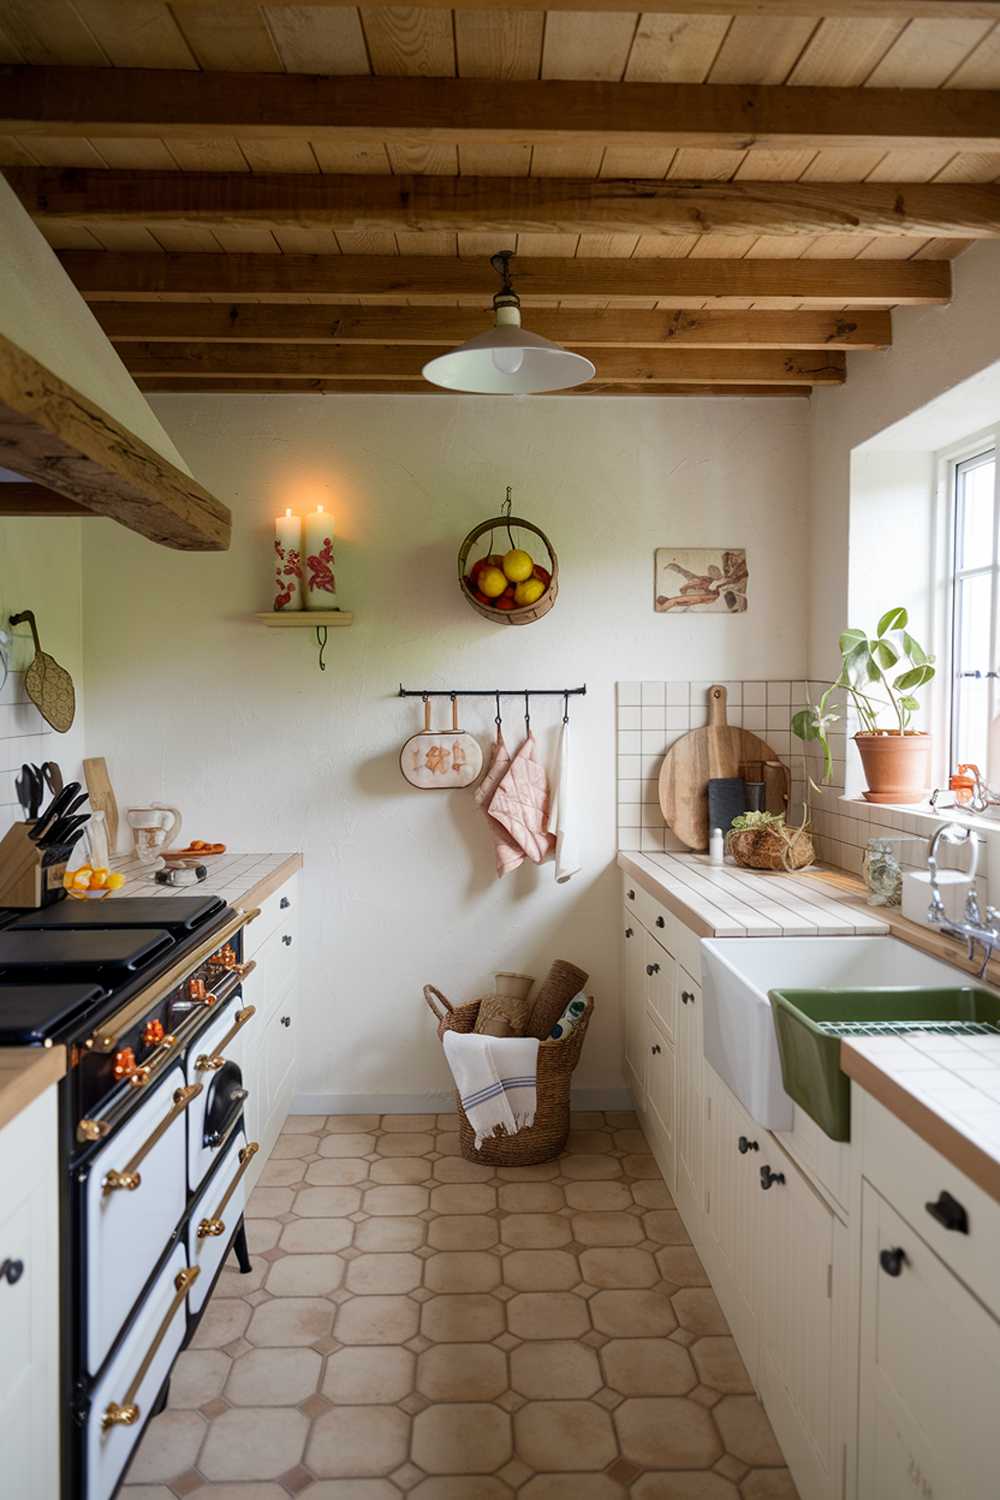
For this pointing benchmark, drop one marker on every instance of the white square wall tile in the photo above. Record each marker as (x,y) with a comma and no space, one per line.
(777,718)
(652,817)
(754,693)
(629,694)
(629,742)
(630,718)
(650,765)
(629,767)
(651,841)
(628,840)
(630,792)
(779,692)
(734,691)
(699,718)
(652,741)
(678,717)
(654,693)
(753,718)
(678,693)
(654,718)
(630,816)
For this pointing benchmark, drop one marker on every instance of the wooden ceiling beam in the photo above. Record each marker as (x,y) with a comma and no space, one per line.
(24,498)
(140,277)
(678,328)
(405,362)
(51,433)
(903,9)
(171,104)
(509,205)
(162,385)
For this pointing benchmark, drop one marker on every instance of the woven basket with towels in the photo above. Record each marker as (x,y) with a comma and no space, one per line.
(546,1138)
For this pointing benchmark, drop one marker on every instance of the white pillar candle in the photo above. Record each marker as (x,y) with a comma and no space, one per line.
(287,561)
(317,576)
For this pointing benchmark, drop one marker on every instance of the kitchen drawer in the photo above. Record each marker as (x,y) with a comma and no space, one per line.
(128,1226)
(215,1216)
(274,910)
(109,1443)
(215,1060)
(930,1371)
(910,1175)
(661,984)
(646,908)
(277,962)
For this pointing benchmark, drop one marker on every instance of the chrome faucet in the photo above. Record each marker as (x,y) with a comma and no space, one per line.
(976,927)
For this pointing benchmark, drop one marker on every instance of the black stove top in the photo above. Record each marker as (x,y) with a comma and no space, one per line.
(61,967)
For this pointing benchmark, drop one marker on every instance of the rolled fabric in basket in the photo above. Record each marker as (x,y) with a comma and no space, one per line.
(495,1078)
(562,983)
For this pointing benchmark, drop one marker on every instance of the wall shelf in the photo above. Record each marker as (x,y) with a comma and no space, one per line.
(320,620)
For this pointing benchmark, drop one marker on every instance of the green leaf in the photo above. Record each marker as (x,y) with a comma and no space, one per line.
(893,619)
(914,650)
(804,725)
(873,672)
(850,640)
(910,704)
(914,678)
(885,654)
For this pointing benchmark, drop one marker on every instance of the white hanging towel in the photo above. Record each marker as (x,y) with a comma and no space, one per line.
(495,1078)
(559,821)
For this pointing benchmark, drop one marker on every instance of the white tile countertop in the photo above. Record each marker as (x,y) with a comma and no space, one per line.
(240,879)
(729,901)
(945,1088)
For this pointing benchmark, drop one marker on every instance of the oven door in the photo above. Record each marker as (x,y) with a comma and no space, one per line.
(212,1061)
(216,1214)
(122,1399)
(135,1195)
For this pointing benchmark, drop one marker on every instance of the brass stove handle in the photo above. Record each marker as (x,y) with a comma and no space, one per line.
(126,1413)
(206,1064)
(213,1227)
(129,1177)
(160,1053)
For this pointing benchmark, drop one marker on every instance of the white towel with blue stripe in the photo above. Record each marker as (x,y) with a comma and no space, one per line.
(495,1078)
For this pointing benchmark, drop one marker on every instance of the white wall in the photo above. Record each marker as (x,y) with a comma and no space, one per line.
(197,704)
(42,312)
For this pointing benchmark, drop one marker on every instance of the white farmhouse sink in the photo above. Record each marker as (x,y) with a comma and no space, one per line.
(737,973)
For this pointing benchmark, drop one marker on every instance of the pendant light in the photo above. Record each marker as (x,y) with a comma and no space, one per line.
(507,360)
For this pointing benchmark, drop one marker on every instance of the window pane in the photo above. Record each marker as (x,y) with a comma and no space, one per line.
(972,654)
(975,513)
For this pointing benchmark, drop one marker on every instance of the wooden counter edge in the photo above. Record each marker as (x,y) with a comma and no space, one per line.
(26,1072)
(957,1148)
(674,904)
(271,882)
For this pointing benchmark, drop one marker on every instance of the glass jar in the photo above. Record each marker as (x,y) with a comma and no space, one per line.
(882,866)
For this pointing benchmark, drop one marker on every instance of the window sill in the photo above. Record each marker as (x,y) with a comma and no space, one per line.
(927,818)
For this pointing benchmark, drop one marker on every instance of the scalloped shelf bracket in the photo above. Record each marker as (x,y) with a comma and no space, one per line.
(320,620)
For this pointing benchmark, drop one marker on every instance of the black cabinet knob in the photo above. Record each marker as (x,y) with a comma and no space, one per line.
(660,922)
(949,1213)
(655,1049)
(686,997)
(652,969)
(744,1145)
(284,904)
(892,1261)
(286,1020)
(769,1178)
(631,895)
(11,1271)
(286,938)
(628,932)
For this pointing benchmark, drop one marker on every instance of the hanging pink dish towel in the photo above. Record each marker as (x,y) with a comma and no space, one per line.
(508,851)
(521,804)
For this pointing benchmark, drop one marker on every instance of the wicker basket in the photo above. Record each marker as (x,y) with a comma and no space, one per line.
(556,1061)
(774,848)
(528,612)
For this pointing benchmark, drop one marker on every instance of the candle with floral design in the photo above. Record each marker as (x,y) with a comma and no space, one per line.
(318,580)
(288,561)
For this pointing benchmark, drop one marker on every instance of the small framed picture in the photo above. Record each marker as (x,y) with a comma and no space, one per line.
(700,580)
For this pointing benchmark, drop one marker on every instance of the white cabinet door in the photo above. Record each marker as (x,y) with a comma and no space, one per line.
(930,1371)
(690,1107)
(634,1003)
(660,1096)
(660,971)
(795,1321)
(731,1189)
(279,1070)
(29,1302)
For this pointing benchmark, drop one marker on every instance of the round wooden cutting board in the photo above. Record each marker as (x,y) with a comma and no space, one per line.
(717,750)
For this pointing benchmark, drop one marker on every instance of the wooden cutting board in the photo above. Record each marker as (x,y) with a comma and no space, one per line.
(102,796)
(717,750)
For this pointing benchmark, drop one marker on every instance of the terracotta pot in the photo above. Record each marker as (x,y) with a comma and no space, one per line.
(897,766)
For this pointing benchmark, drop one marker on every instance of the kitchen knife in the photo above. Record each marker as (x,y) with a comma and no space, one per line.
(30,791)
(63,803)
(52,776)
(61,830)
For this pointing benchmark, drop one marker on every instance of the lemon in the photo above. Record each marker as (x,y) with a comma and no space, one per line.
(492,583)
(518,565)
(529,592)
(115,882)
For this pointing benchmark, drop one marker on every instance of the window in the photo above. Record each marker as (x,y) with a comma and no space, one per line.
(975,649)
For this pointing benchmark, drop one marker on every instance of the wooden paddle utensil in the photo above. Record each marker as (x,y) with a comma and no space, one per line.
(717,750)
(48,685)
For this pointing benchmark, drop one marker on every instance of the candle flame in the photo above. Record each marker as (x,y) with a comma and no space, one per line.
(288,510)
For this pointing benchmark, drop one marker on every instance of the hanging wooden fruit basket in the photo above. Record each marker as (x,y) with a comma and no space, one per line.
(504,611)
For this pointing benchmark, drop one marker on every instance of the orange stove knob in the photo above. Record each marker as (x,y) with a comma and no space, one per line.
(196,989)
(153,1033)
(124,1063)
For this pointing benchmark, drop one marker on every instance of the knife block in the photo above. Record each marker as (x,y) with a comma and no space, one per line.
(30,877)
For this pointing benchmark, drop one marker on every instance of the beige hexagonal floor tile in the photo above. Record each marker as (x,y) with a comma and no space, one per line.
(598,1229)
(719,1365)
(457,1169)
(598,1197)
(396,1200)
(533,1231)
(557,1370)
(358,1441)
(746,1431)
(254,1442)
(463,1198)
(564,1436)
(282,1173)
(198,1376)
(264,1491)
(274,1377)
(462,1372)
(618,1267)
(648,1367)
(398,1171)
(541,1270)
(346,1145)
(326,1202)
(352,1124)
(288,1322)
(531,1198)
(405,1143)
(169,1446)
(287,1147)
(571,1487)
(445,1487)
(372,1376)
(666,1227)
(335,1171)
(461,1439)
(316,1236)
(387,1233)
(589,1143)
(632,1314)
(680,1265)
(693,1485)
(386,1273)
(305,1276)
(698,1310)
(377,1320)
(463,1232)
(548,1315)
(590,1168)
(473,1317)
(769,1484)
(224,1319)
(667,1432)
(462,1271)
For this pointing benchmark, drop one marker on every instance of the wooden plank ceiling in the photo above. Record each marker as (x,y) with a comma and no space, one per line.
(710,196)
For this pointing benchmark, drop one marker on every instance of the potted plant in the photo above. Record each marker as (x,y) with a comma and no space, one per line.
(895,759)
